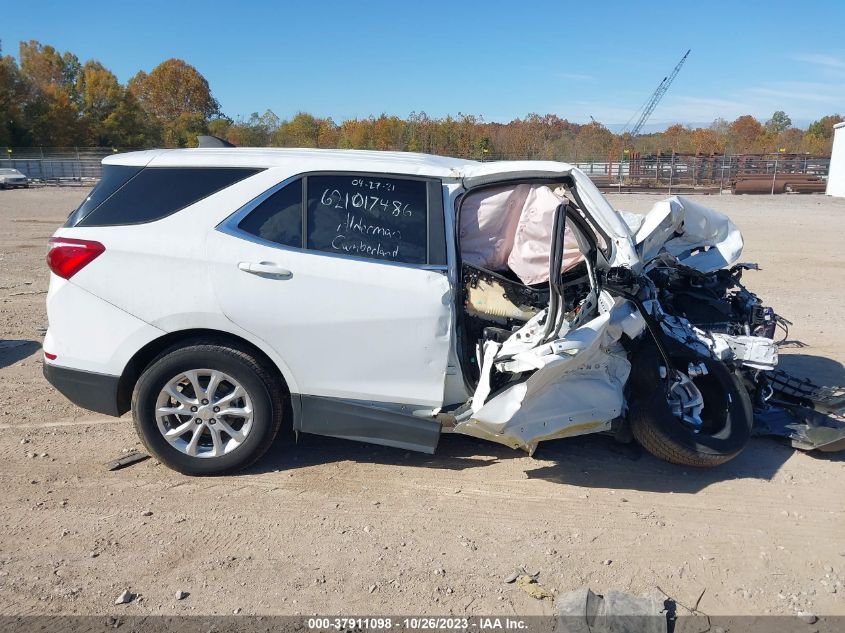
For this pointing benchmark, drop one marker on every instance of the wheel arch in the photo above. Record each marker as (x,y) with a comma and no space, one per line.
(145,355)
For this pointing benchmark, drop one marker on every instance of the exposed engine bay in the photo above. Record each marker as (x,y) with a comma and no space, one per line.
(809,415)
(549,332)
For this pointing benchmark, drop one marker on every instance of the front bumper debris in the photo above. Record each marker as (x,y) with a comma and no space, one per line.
(811,417)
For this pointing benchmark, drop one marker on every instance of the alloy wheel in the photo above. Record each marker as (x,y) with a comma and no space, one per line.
(204,413)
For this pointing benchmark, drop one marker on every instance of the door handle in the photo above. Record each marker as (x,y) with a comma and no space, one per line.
(265,269)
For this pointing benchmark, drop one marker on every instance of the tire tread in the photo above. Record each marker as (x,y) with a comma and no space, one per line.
(665,448)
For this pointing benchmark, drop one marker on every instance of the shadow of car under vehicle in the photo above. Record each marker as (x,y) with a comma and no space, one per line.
(819,369)
(591,461)
(13,351)
(594,462)
(454,452)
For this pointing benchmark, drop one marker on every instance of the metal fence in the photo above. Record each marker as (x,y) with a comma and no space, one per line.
(704,174)
(674,173)
(57,165)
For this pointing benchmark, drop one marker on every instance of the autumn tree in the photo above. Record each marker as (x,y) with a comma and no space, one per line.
(707,141)
(744,133)
(13,90)
(99,90)
(676,139)
(819,136)
(301,131)
(221,126)
(257,131)
(790,140)
(418,132)
(178,98)
(44,66)
(388,133)
(594,142)
(354,134)
(823,128)
(779,122)
(52,108)
(111,114)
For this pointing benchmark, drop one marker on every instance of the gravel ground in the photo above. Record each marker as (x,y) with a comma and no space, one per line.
(331,527)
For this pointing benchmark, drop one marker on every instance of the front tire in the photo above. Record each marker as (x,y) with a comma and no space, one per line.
(206,408)
(723,424)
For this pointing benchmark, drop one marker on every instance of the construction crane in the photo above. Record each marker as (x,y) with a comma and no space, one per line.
(655,98)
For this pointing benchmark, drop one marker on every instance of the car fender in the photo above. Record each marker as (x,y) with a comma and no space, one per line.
(174,323)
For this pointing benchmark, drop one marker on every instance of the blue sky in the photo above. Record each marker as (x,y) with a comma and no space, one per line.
(496,59)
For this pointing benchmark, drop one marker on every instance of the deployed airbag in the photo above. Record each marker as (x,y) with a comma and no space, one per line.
(531,251)
(488,225)
(511,227)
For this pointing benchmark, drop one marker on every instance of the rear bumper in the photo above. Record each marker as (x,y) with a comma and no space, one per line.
(89,390)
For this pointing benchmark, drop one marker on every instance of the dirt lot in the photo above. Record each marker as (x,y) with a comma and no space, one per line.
(337,527)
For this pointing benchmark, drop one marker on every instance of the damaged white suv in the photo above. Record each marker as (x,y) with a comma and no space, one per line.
(389,297)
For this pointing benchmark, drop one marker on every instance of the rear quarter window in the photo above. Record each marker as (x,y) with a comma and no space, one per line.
(113,178)
(153,193)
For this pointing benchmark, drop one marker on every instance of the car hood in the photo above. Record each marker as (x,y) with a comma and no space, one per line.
(697,236)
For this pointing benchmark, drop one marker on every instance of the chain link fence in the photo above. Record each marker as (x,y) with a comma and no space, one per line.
(672,174)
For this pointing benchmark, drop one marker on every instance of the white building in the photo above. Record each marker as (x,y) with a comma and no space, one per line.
(836,175)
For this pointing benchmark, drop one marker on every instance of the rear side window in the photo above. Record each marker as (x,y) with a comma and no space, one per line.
(368,216)
(156,192)
(114,177)
(279,218)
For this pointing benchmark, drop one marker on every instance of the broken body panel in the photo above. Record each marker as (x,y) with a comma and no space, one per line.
(533,387)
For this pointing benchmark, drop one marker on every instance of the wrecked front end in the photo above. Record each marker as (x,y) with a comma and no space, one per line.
(744,332)
(550,332)
(557,339)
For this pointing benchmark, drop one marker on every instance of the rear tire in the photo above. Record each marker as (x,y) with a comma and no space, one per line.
(727,416)
(179,390)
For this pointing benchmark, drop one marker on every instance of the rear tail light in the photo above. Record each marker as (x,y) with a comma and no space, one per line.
(68,256)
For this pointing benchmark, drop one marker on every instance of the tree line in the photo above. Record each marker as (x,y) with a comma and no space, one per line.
(50,98)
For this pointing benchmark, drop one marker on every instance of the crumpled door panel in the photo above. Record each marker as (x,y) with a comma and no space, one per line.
(578,387)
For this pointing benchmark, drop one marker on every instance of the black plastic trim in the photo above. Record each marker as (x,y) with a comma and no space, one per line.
(89,390)
(436,225)
(364,422)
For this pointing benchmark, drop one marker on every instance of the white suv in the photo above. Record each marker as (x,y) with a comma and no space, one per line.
(383,297)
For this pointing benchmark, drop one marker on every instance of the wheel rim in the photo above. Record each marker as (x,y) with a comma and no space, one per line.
(686,401)
(204,413)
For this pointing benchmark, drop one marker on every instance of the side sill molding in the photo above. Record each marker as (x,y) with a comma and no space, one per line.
(363,423)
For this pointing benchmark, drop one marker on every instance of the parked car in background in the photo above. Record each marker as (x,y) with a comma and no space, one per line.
(12,178)
(392,297)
